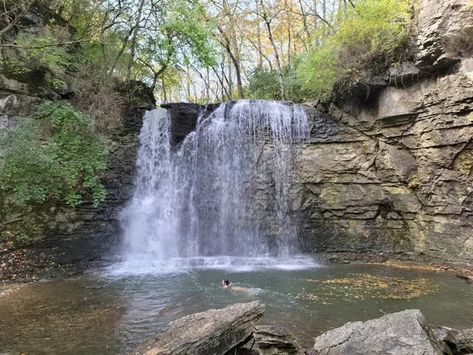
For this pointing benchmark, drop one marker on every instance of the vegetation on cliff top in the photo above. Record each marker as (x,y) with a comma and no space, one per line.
(208,50)
(373,30)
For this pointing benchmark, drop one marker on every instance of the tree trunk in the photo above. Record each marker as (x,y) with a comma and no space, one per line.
(258,29)
(134,38)
(267,21)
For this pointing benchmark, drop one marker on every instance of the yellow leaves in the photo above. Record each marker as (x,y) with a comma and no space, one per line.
(398,264)
(360,287)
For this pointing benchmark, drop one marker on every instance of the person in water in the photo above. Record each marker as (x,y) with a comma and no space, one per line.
(228,284)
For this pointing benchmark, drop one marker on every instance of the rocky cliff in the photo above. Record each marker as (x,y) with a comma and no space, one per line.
(393,171)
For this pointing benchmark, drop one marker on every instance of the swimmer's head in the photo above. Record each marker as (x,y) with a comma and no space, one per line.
(226,283)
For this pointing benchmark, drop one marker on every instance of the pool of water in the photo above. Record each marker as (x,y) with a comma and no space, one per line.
(107,311)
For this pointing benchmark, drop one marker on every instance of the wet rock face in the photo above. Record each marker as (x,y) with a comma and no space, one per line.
(215,331)
(397,333)
(184,118)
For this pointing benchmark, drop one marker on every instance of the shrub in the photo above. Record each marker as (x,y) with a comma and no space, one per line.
(371,29)
(264,84)
(53,156)
(95,95)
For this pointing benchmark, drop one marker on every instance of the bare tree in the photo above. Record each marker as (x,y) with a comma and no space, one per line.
(268,19)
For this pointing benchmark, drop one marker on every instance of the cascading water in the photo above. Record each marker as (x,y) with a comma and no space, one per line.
(197,205)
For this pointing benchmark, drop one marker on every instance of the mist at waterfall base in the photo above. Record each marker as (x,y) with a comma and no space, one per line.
(194,204)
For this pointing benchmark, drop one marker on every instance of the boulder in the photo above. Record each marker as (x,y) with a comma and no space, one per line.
(395,334)
(275,340)
(215,331)
(454,341)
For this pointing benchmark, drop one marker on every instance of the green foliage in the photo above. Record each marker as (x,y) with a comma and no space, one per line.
(370,29)
(264,84)
(187,24)
(54,156)
(39,54)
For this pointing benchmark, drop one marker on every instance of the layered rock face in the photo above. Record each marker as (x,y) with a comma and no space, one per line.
(394,172)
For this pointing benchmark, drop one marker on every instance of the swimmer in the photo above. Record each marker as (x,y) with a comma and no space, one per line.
(228,284)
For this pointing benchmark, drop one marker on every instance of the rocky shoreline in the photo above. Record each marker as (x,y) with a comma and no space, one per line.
(235,330)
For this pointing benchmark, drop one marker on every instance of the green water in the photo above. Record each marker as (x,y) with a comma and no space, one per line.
(100,314)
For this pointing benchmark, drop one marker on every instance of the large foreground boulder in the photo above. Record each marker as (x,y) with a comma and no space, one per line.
(213,332)
(402,333)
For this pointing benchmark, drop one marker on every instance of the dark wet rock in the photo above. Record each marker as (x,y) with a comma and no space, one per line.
(184,118)
(396,334)
(455,341)
(275,340)
(215,331)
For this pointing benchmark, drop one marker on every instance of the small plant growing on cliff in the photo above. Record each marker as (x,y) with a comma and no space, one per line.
(369,30)
(53,156)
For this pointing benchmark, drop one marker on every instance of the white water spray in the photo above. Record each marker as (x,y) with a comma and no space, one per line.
(194,205)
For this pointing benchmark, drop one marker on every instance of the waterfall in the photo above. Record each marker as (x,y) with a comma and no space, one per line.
(201,201)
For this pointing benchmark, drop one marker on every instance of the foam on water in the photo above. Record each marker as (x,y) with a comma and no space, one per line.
(142,266)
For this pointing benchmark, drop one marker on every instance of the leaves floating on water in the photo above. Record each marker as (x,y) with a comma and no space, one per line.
(359,287)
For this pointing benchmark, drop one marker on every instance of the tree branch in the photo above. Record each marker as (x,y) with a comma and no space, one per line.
(17,18)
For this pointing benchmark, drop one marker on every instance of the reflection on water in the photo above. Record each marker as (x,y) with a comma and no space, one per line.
(102,313)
